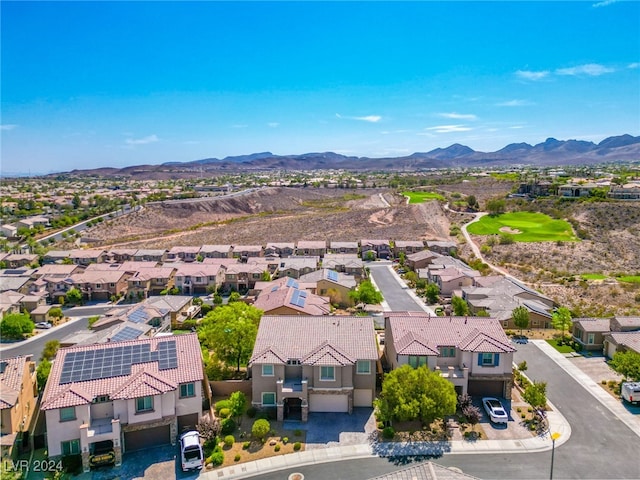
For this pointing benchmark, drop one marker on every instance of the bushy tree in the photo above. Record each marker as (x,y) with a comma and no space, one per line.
(535,394)
(73,296)
(432,291)
(260,428)
(237,404)
(42,373)
(459,305)
(561,319)
(627,364)
(520,317)
(366,293)
(16,325)
(415,394)
(496,206)
(50,349)
(231,330)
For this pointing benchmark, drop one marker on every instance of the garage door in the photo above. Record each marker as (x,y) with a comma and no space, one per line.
(487,388)
(187,422)
(328,403)
(147,438)
(362,397)
(611,349)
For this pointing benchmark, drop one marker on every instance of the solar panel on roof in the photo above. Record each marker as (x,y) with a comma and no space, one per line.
(138,316)
(332,275)
(115,361)
(127,333)
(299,298)
(291,282)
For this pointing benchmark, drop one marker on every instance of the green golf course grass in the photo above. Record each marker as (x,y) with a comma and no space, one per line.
(593,276)
(419,197)
(530,226)
(629,278)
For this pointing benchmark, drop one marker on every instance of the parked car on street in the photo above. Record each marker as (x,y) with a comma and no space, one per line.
(495,410)
(191,454)
(43,325)
(630,391)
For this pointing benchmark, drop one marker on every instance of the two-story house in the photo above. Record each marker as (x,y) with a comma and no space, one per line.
(87,256)
(280,249)
(312,248)
(193,278)
(332,284)
(407,247)
(348,263)
(152,281)
(183,254)
(122,396)
(18,399)
(313,364)
(350,248)
(150,255)
(101,285)
(216,251)
(473,353)
(297,266)
(380,248)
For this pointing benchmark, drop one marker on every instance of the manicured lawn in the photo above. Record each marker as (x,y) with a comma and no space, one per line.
(629,279)
(420,197)
(560,348)
(524,226)
(593,276)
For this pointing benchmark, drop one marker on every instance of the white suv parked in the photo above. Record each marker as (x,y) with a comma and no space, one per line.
(630,391)
(191,454)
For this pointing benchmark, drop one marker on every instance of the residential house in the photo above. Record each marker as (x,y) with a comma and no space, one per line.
(297,266)
(626,192)
(151,281)
(313,248)
(120,255)
(123,395)
(150,255)
(32,222)
(16,302)
(348,263)
(55,256)
(407,247)
(216,251)
(421,259)
(442,247)
(8,230)
(575,190)
(245,252)
(313,364)
(281,250)
(42,314)
(625,324)
(589,332)
(17,260)
(197,278)
(101,285)
(18,401)
(621,342)
(16,279)
(292,301)
(380,248)
(351,248)
(243,276)
(183,254)
(88,256)
(473,353)
(156,317)
(180,307)
(332,284)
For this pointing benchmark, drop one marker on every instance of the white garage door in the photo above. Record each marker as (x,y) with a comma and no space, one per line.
(328,403)
(611,349)
(362,397)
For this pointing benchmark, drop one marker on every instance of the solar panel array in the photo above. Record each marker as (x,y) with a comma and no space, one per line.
(139,315)
(299,298)
(127,333)
(292,283)
(115,361)
(332,275)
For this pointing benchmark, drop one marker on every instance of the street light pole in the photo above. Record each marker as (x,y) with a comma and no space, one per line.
(554,437)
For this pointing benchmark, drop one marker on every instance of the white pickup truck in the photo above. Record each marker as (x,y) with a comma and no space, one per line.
(630,391)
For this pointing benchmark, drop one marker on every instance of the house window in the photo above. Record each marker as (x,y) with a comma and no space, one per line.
(447,352)
(267,370)
(144,404)
(67,414)
(112,285)
(417,360)
(71,447)
(489,359)
(101,399)
(363,367)
(268,398)
(98,286)
(187,390)
(591,338)
(327,373)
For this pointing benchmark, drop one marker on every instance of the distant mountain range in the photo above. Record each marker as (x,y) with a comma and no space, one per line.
(551,152)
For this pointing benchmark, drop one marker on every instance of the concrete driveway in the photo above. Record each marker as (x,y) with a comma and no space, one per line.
(332,429)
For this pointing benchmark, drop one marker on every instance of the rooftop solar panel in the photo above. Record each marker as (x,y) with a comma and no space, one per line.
(127,333)
(332,275)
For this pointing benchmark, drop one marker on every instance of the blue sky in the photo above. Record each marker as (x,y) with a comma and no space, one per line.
(125,83)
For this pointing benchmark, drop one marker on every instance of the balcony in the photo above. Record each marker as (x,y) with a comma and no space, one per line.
(292,388)
(452,372)
(100,429)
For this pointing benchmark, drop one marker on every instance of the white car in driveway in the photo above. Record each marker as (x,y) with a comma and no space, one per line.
(495,410)
(191,454)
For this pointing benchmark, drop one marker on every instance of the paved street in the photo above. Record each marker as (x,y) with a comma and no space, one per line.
(397,295)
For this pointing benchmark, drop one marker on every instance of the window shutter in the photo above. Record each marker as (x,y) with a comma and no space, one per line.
(480,359)
(496,356)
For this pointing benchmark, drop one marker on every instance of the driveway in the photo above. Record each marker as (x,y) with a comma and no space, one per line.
(333,429)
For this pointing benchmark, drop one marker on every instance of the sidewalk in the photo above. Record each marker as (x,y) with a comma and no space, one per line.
(557,424)
(611,403)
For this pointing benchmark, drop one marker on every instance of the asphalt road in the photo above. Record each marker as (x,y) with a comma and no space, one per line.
(394,294)
(600,447)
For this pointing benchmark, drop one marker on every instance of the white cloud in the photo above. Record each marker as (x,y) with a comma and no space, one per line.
(458,116)
(449,128)
(273,124)
(591,69)
(531,75)
(8,126)
(142,141)
(367,118)
(515,103)
(633,65)
(604,3)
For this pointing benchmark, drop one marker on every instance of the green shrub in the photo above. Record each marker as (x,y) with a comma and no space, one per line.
(228,426)
(285,440)
(297,446)
(229,440)
(251,412)
(297,432)
(276,448)
(261,428)
(388,433)
(222,404)
(380,425)
(246,445)
(216,458)
(236,458)
(224,413)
